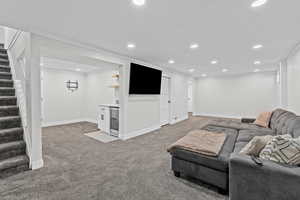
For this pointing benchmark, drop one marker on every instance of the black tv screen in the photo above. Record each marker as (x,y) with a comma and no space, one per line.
(144,80)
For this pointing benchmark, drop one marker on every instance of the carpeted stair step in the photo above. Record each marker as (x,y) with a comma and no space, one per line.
(4,68)
(4,56)
(12,149)
(10,135)
(10,122)
(6,91)
(4,61)
(6,83)
(9,111)
(3,51)
(13,158)
(5,75)
(8,100)
(13,165)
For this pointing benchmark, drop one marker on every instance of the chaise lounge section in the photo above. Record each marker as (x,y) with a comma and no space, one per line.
(236,173)
(212,170)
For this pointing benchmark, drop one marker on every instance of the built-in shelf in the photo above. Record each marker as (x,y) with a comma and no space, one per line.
(114,86)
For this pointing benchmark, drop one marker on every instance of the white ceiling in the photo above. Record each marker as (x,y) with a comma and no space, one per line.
(59,64)
(225,30)
(59,55)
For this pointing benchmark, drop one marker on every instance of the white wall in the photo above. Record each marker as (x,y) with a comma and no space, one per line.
(293,82)
(144,110)
(60,104)
(63,106)
(98,92)
(237,95)
(143,114)
(139,114)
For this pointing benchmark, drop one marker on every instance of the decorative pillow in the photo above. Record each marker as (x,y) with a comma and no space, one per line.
(263,119)
(282,149)
(257,143)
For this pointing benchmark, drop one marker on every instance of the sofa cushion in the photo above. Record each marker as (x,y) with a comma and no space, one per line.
(275,115)
(296,127)
(247,135)
(233,124)
(283,122)
(239,146)
(221,161)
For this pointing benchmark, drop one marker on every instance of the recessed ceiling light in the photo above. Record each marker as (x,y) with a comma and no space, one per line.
(194,46)
(257,62)
(224,70)
(42,64)
(257,46)
(256,70)
(171,61)
(130,46)
(139,2)
(258,3)
(191,70)
(214,62)
(78,70)
(204,75)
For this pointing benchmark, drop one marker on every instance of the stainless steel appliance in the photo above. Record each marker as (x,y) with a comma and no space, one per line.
(114,121)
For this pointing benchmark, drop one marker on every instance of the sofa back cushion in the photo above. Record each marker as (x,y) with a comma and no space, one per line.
(296,127)
(283,122)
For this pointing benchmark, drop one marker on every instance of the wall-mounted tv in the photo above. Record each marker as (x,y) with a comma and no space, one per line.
(144,80)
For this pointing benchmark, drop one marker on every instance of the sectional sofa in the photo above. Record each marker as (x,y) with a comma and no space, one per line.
(239,174)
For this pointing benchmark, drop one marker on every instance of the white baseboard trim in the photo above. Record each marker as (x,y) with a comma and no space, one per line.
(140,132)
(91,120)
(57,123)
(174,121)
(37,164)
(217,115)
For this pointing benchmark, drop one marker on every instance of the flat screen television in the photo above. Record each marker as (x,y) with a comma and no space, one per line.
(144,80)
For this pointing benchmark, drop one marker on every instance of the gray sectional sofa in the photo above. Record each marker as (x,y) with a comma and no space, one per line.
(239,174)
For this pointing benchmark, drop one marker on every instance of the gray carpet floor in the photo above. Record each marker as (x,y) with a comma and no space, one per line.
(80,168)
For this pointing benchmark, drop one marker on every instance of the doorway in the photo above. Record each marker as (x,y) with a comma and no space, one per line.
(165,101)
(190,97)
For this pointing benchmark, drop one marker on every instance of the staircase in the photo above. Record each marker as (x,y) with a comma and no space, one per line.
(13,158)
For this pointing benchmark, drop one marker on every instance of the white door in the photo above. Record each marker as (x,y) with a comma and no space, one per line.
(165,101)
(190,97)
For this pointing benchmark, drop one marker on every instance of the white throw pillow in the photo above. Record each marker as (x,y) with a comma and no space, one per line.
(283,149)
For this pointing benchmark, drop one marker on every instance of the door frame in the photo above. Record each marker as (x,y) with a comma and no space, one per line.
(191,84)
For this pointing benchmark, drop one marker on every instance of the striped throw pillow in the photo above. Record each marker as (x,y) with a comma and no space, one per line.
(282,149)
